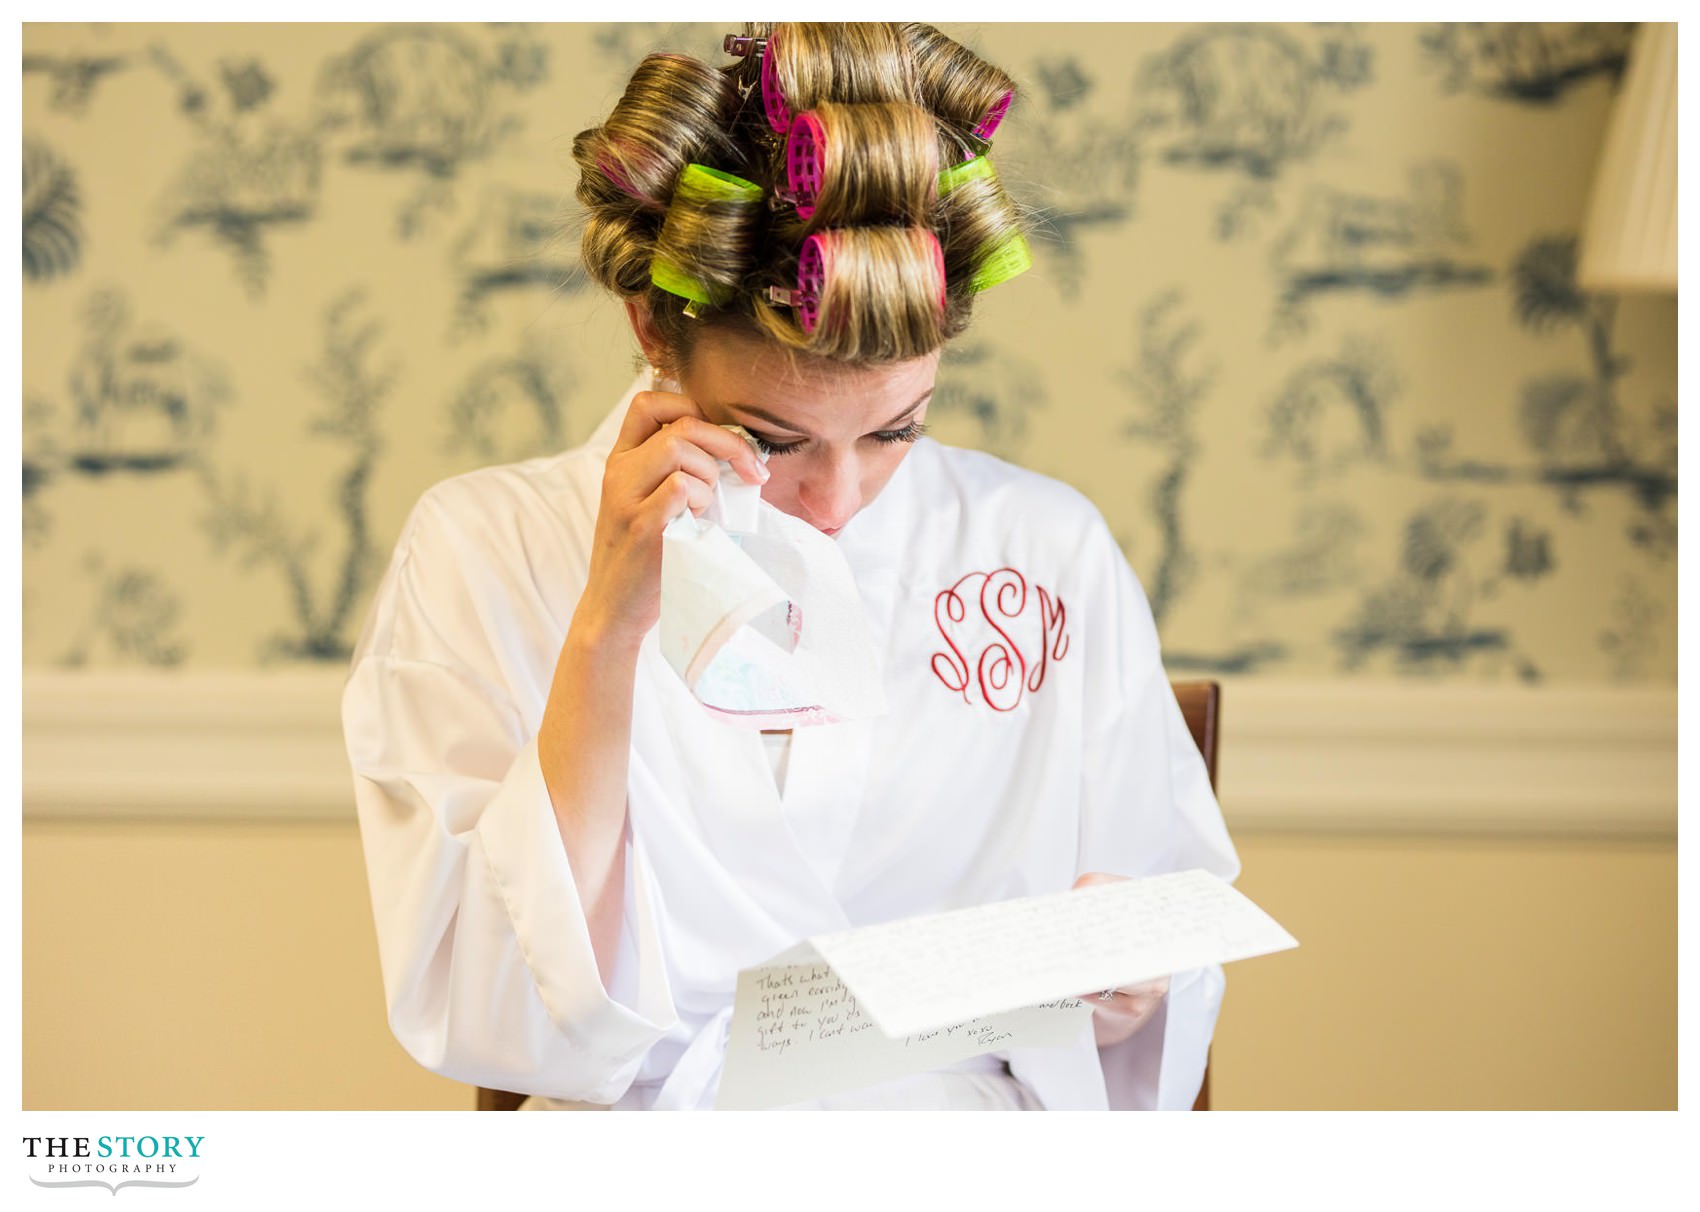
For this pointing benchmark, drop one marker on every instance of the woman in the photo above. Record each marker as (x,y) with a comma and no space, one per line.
(570,858)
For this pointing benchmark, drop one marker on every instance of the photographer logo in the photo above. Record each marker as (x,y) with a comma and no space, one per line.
(113,1162)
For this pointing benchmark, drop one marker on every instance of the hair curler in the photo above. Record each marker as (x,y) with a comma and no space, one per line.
(992,117)
(970,169)
(1008,257)
(814,272)
(699,185)
(812,260)
(805,163)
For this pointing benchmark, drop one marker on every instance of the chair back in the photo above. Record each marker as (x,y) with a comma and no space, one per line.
(1201,704)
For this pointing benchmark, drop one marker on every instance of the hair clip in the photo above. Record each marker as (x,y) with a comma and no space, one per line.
(811,283)
(772,95)
(742,45)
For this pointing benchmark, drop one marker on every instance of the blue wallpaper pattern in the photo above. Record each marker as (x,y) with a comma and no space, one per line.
(1273,280)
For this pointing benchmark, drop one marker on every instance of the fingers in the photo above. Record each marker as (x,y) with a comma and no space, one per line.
(637,474)
(1093,878)
(1123,1015)
(1153,989)
(721,444)
(678,491)
(650,410)
(675,419)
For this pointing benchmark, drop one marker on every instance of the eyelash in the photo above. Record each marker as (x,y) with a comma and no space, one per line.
(909,433)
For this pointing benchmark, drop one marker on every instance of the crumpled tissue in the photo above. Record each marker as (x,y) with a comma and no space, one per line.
(761,617)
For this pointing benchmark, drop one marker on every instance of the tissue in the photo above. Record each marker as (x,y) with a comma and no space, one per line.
(761,617)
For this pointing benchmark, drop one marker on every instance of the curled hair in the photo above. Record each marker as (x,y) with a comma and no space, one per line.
(967,93)
(890,115)
(709,237)
(844,61)
(881,299)
(879,163)
(675,110)
(979,222)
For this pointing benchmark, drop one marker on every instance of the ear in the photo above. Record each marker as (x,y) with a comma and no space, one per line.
(643,328)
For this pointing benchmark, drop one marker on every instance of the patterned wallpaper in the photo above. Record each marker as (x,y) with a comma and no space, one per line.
(1304,324)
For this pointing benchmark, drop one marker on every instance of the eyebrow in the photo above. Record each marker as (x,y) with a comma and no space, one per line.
(780,423)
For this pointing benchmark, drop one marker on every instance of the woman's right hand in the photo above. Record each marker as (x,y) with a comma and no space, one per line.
(664,461)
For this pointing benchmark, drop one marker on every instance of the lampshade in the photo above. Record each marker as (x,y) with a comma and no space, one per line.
(1629,235)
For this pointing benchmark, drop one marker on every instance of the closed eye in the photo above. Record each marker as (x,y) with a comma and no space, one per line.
(909,433)
(769,448)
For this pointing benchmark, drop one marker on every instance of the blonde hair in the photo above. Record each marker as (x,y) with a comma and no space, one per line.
(684,186)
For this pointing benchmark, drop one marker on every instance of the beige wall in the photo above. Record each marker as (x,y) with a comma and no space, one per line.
(194,966)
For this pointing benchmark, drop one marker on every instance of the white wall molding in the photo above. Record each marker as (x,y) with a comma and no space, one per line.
(1449,759)
(201,746)
(1308,757)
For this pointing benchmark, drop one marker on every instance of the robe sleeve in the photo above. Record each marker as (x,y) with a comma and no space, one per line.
(1147,809)
(488,971)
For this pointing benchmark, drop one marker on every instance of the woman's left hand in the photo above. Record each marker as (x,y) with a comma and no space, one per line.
(1127,1008)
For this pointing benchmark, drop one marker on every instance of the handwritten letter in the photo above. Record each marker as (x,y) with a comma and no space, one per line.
(797,1033)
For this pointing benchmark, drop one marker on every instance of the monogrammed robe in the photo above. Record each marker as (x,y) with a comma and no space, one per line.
(1032,736)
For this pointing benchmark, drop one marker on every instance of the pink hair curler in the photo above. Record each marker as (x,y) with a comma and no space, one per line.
(805,163)
(938,260)
(993,117)
(812,261)
(772,95)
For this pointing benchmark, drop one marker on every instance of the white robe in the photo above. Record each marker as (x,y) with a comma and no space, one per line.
(1032,736)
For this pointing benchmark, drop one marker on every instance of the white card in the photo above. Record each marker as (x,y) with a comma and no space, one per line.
(926,972)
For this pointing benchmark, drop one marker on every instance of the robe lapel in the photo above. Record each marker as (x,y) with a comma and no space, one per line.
(825,788)
(715,780)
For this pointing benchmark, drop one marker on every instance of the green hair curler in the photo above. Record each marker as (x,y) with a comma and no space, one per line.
(703,186)
(1011,256)
(970,169)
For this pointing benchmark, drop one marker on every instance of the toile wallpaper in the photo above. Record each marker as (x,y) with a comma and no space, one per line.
(1303,322)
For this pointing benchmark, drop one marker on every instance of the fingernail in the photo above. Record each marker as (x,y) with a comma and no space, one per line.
(762,473)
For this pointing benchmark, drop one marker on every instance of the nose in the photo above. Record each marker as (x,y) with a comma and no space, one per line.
(831,493)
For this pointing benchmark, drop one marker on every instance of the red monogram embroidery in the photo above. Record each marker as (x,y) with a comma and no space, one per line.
(1027,632)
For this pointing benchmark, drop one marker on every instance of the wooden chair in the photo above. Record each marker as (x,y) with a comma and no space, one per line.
(1201,704)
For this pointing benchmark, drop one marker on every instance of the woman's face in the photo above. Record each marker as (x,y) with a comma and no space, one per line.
(835,434)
